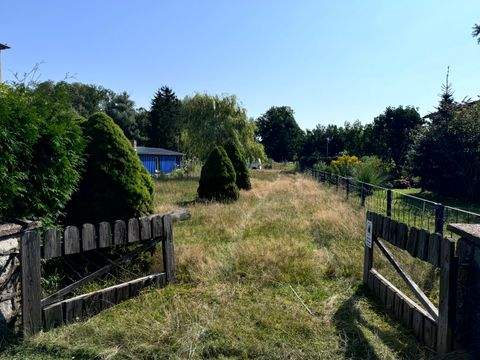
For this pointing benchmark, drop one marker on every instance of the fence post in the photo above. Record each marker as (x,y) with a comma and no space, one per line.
(362,195)
(439,218)
(446,305)
(389,202)
(368,254)
(347,186)
(466,332)
(31,282)
(168,249)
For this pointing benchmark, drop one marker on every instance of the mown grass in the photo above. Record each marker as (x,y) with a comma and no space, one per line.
(275,275)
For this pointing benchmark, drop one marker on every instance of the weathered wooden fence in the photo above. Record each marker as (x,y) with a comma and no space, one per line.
(451,326)
(139,235)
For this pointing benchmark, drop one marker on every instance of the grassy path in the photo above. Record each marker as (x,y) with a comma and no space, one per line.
(274,276)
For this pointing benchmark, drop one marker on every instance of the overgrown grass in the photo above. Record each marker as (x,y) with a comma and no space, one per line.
(275,275)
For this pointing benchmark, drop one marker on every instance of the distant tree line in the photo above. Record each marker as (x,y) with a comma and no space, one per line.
(439,153)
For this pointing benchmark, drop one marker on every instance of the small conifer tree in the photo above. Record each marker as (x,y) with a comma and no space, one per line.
(242,174)
(217,179)
(115,184)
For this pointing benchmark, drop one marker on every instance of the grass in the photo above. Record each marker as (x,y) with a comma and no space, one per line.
(449,201)
(275,275)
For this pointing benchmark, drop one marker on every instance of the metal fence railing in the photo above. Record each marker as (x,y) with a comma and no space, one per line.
(412,210)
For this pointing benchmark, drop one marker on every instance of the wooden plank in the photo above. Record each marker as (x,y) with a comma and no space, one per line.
(88,237)
(104,235)
(120,232)
(392,233)
(376,287)
(52,246)
(398,306)
(168,249)
(417,324)
(434,243)
(145,229)
(386,228)
(31,282)
(160,280)
(421,250)
(390,300)
(447,293)
(368,251)
(419,294)
(135,288)
(463,288)
(380,219)
(122,293)
(92,303)
(108,297)
(407,316)
(157,226)
(402,236)
(73,309)
(430,333)
(133,230)
(53,316)
(71,240)
(370,280)
(412,241)
(382,291)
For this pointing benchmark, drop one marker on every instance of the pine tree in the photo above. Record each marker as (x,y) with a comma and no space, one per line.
(447,105)
(242,175)
(164,127)
(217,179)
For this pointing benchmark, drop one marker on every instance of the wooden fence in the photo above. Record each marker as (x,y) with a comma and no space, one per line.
(139,235)
(431,325)
(454,324)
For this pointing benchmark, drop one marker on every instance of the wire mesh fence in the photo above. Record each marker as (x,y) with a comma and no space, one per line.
(409,209)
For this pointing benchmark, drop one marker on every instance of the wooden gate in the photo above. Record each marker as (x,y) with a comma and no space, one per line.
(431,326)
(136,235)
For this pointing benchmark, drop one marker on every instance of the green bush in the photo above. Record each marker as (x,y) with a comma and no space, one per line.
(232,149)
(115,184)
(217,179)
(371,170)
(41,147)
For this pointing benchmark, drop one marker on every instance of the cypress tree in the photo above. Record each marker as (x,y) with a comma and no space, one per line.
(232,149)
(115,184)
(217,179)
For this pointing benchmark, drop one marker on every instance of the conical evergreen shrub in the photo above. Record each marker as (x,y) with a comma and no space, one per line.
(217,179)
(232,149)
(115,184)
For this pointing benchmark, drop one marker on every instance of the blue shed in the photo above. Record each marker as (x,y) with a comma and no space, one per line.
(158,160)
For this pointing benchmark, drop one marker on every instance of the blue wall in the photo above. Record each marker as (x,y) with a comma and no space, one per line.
(162,163)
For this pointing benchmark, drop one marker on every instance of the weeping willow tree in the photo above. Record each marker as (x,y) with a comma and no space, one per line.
(211,120)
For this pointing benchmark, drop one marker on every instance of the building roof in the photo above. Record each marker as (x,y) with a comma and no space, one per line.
(156,151)
(4,47)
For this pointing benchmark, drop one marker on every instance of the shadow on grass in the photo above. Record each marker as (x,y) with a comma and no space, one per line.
(349,321)
(15,347)
(176,179)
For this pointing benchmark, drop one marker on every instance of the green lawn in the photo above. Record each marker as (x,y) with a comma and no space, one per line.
(448,201)
(275,275)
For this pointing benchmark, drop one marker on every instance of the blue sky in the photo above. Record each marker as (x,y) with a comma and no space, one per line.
(331,61)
